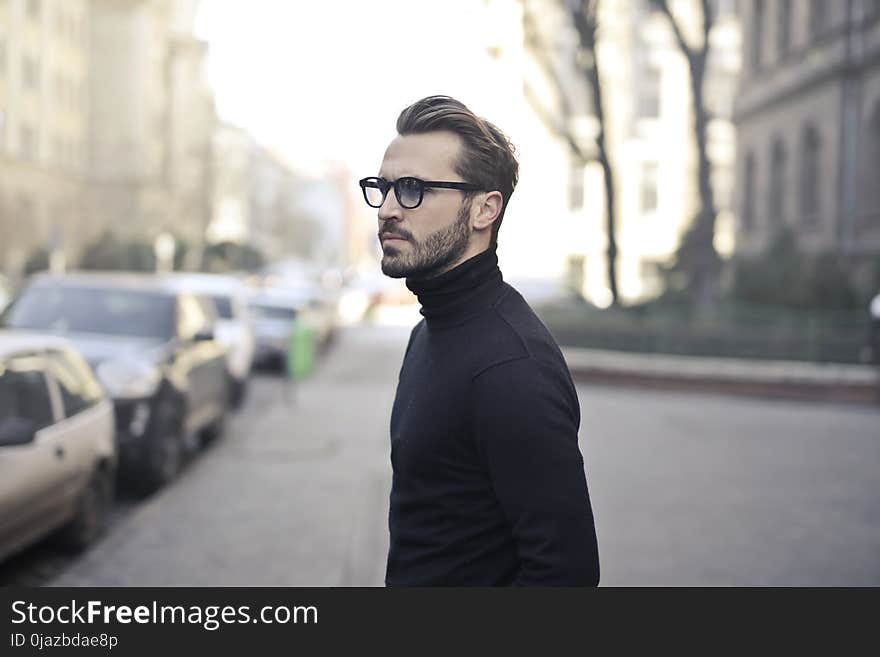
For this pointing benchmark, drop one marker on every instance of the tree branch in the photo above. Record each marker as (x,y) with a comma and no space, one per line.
(538,48)
(663,6)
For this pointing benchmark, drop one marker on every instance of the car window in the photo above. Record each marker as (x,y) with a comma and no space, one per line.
(112,311)
(24,392)
(79,388)
(223,306)
(264,311)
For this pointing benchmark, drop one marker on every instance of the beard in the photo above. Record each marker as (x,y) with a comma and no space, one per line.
(434,255)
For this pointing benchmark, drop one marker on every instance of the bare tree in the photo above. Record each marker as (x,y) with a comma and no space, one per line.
(696,255)
(584,17)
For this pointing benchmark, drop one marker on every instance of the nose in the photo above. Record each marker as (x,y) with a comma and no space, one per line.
(390,209)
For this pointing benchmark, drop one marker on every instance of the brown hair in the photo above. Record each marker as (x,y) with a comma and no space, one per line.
(487,159)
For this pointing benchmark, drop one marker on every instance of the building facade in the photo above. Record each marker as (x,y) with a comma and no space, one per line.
(808,122)
(648,111)
(44,124)
(152,121)
(106,122)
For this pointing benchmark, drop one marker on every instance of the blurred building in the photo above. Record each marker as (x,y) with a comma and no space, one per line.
(44,125)
(152,121)
(260,200)
(649,134)
(808,122)
(106,120)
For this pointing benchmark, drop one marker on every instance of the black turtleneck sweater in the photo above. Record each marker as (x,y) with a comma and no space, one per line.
(488,485)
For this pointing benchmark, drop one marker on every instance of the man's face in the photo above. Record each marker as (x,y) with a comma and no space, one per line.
(432,238)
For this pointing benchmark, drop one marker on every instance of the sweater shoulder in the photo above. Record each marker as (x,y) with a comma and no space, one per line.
(515,332)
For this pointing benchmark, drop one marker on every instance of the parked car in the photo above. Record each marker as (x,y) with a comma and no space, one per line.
(234,327)
(57,450)
(152,347)
(274,311)
(273,317)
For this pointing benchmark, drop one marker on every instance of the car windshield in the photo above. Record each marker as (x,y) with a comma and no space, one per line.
(223,306)
(111,311)
(263,311)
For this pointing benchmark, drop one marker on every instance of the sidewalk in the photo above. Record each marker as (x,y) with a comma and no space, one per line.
(781,379)
(294,494)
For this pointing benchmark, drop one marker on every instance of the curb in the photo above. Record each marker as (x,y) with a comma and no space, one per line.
(781,379)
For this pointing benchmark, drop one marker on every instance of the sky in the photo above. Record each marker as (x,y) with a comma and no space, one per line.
(323,82)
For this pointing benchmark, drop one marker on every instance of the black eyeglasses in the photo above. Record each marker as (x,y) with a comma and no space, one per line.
(408,190)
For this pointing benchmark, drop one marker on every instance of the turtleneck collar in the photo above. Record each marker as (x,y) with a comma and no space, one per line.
(460,293)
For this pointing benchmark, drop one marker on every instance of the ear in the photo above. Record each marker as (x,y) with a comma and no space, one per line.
(487,210)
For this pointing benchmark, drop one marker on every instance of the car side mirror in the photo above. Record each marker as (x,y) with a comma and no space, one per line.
(17,431)
(204,335)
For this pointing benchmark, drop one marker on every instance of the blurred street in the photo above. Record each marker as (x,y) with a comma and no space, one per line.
(688,489)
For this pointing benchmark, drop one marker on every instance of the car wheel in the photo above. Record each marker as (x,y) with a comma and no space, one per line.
(92,511)
(237,392)
(214,430)
(165,451)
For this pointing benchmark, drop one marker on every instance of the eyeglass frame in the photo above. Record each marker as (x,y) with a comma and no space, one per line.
(385,185)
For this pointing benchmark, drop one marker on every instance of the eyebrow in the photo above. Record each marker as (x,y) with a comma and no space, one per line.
(405,175)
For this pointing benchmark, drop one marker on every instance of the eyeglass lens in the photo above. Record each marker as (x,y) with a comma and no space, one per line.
(409,192)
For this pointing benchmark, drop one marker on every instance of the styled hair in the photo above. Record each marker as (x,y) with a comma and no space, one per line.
(487,158)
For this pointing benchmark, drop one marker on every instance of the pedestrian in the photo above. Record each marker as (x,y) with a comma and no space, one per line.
(488,485)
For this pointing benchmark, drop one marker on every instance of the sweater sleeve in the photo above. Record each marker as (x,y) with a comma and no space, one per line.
(526,422)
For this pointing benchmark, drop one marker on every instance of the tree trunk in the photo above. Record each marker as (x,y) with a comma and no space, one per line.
(700,238)
(707,263)
(584,14)
(608,176)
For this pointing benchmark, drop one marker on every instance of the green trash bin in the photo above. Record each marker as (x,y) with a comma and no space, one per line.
(301,350)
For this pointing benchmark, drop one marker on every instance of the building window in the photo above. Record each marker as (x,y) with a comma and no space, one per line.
(27,143)
(776,199)
(648,188)
(748,210)
(575,186)
(649,93)
(722,186)
(30,73)
(757,34)
(810,171)
(818,17)
(59,89)
(783,27)
(719,88)
(869,191)
(33,9)
(723,8)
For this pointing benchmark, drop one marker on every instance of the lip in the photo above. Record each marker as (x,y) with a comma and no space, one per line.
(393,238)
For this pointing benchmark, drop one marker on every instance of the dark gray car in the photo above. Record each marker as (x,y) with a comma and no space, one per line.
(153,350)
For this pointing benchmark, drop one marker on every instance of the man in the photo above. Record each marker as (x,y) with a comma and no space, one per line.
(488,481)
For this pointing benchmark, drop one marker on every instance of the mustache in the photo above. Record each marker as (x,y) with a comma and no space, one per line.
(386,230)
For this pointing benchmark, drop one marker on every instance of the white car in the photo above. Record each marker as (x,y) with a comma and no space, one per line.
(275,309)
(57,448)
(234,328)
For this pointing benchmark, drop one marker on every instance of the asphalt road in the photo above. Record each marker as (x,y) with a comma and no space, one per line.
(688,489)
